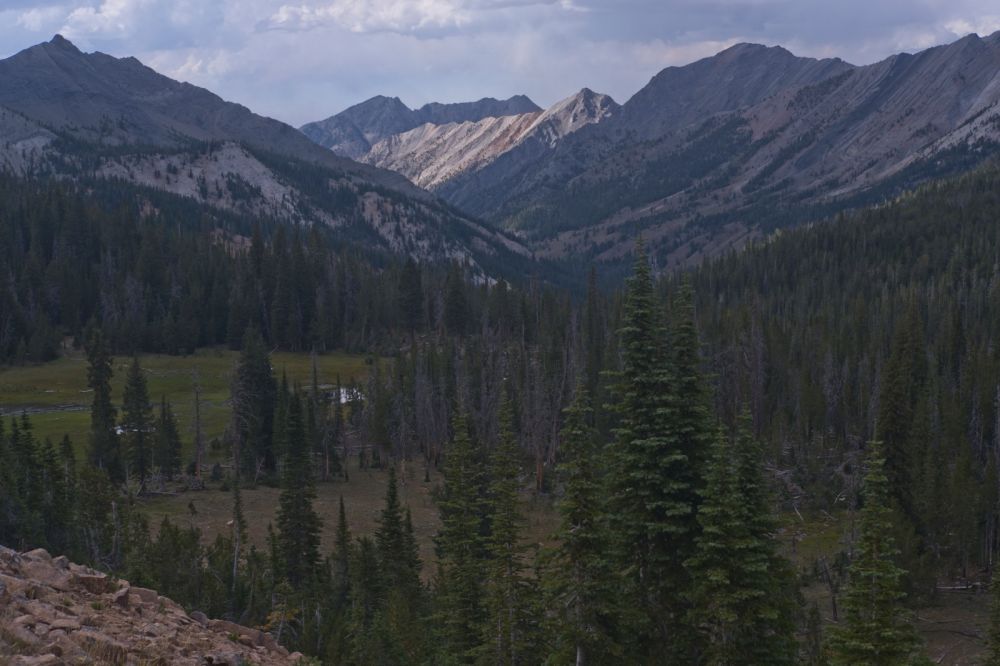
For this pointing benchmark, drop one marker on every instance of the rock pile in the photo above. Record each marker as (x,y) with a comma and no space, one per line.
(55,612)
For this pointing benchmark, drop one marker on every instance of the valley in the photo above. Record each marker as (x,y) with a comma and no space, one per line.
(704,375)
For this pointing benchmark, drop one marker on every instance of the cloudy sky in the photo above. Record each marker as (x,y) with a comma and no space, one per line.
(301,60)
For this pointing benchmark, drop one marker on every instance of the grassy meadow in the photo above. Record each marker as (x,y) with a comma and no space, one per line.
(57,399)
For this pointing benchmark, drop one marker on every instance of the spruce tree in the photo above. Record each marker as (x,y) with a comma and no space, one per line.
(579,584)
(253,404)
(298,524)
(902,384)
(400,612)
(508,632)
(391,542)
(692,414)
(167,453)
(875,627)
(740,603)
(459,543)
(651,506)
(137,422)
(104,447)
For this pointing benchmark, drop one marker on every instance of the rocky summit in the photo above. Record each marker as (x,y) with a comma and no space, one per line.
(53,611)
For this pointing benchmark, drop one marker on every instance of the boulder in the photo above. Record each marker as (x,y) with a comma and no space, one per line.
(145,595)
(121,597)
(38,554)
(94,582)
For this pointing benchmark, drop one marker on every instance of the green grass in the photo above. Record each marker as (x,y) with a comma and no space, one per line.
(58,401)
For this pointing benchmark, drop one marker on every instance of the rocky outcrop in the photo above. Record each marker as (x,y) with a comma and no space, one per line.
(55,612)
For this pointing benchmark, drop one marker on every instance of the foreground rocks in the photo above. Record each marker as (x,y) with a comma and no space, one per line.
(55,612)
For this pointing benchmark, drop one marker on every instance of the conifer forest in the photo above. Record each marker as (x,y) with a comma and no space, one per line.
(677,425)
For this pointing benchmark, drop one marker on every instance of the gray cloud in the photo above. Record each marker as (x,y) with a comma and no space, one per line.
(301,60)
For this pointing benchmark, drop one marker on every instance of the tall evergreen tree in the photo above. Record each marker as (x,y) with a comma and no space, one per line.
(876,628)
(740,598)
(651,502)
(400,606)
(137,422)
(390,541)
(253,404)
(167,452)
(459,543)
(580,580)
(902,384)
(691,413)
(509,631)
(104,448)
(298,524)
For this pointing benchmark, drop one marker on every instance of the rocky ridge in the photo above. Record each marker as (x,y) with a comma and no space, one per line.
(54,612)
(353,131)
(431,155)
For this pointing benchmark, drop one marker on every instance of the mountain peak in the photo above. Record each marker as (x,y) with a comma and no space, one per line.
(61,42)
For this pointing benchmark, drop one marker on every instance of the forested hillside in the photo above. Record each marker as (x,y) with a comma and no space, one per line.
(670,423)
(877,325)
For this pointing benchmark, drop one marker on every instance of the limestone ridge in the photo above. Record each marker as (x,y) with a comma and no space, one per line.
(55,612)
(431,155)
(354,131)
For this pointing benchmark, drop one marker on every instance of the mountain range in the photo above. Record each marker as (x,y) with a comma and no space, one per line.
(703,158)
(73,114)
(711,154)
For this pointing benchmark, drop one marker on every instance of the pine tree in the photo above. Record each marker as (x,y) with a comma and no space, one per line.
(508,630)
(875,628)
(651,505)
(400,615)
(579,581)
(691,417)
(460,547)
(740,601)
(254,396)
(167,454)
(298,524)
(902,384)
(137,422)
(104,448)
(390,541)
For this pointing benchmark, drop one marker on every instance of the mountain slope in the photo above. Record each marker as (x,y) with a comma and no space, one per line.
(707,154)
(74,114)
(354,131)
(96,98)
(517,195)
(433,154)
